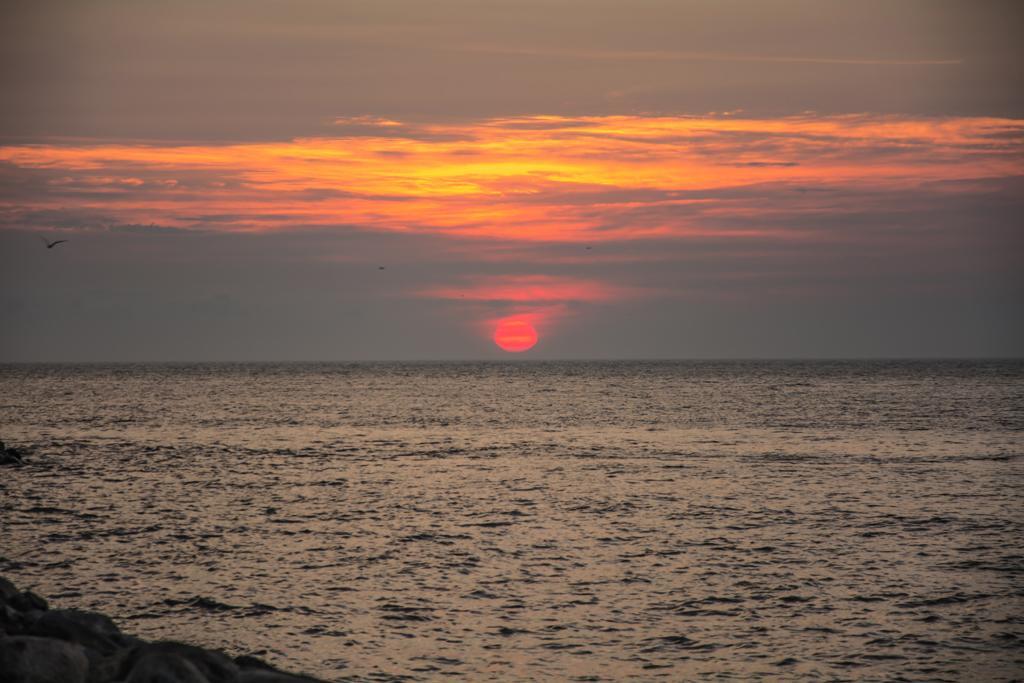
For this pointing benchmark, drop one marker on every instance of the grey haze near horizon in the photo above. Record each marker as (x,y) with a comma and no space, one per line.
(263,70)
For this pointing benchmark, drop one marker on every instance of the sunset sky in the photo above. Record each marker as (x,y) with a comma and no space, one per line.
(305,180)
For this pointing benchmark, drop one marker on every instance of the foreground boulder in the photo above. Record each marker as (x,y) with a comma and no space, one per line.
(210,665)
(163,667)
(40,645)
(91,630)
(28,659)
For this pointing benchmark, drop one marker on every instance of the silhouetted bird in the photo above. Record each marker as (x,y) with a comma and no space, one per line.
(380,267)
(49,244)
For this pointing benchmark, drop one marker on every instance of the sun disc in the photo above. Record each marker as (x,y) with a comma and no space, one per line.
(515,336)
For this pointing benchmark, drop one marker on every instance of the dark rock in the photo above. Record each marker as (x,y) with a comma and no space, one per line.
(26,659)
(105,646)
(7,589)
(38,645)
(255,670)
(215,667)
(26,601)
(30,617)
(88,629)
(162,667)
(105,668)
(16,623)
(251,662)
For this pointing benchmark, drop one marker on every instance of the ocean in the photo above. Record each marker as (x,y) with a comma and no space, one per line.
(563,521)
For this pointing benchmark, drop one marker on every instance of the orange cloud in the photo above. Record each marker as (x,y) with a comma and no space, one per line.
(536,179)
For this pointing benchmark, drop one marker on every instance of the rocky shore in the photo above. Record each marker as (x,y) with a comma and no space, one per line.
(43,645)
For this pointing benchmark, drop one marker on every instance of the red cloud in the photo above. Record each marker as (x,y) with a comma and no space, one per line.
(530,289)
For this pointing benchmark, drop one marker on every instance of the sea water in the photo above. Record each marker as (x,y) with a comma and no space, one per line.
(582,521)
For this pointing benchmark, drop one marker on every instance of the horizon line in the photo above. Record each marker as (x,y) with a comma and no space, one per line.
(520,359)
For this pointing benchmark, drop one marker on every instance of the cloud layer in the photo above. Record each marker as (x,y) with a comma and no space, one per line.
(551,217)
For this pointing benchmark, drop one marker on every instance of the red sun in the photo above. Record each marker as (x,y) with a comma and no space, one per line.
(515,335)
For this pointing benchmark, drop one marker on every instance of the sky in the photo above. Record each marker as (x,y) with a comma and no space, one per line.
(398,179)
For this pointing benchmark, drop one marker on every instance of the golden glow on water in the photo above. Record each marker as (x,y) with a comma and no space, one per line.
(532,521)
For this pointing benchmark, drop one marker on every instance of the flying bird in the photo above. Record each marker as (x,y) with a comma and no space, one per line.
(49,244)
